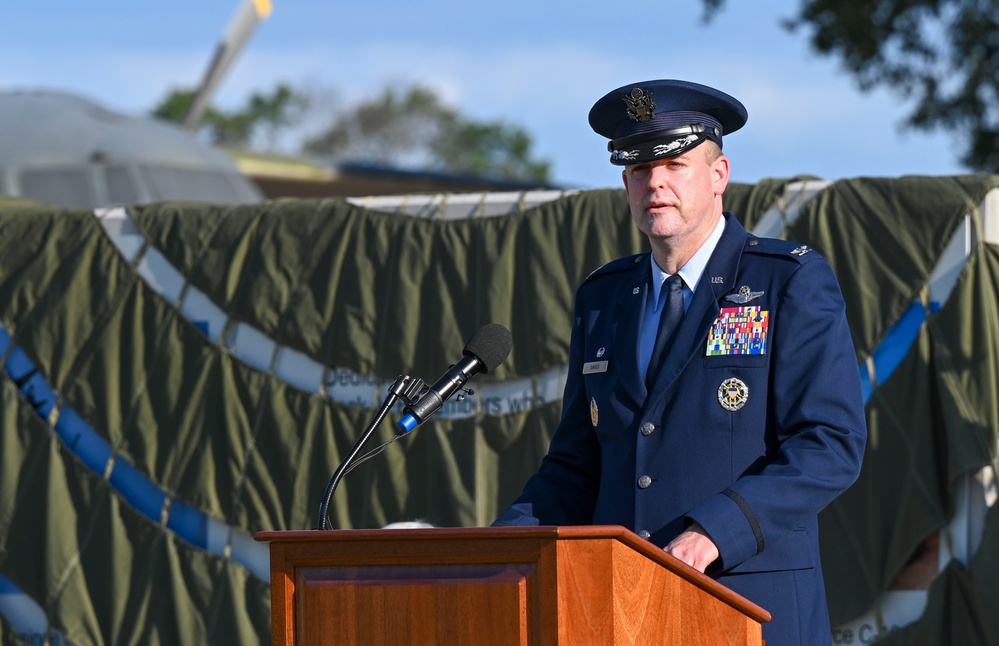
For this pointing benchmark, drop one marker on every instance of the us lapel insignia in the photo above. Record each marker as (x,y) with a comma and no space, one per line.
(594,413)
(600,352)
(744,296)
(637,290)
(733,394)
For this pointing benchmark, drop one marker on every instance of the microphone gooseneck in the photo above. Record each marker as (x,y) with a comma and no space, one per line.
(487,348)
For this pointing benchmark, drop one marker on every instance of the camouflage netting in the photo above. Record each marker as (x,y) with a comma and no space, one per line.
(383,294)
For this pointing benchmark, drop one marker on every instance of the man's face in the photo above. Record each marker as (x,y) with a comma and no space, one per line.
(673,200)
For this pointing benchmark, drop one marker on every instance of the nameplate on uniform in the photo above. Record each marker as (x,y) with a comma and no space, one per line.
(594,366)
(739,330)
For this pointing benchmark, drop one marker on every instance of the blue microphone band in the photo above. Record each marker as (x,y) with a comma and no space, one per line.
(407,423)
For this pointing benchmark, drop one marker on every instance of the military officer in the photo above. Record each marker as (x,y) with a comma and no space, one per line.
(713,400)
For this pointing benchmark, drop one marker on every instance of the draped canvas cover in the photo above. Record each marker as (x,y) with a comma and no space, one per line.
(384,294)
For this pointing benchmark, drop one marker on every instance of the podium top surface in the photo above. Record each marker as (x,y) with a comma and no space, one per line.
(414,539)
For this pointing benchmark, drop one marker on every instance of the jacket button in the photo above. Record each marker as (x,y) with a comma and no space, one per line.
(645,534)
(647,428)
(644,482)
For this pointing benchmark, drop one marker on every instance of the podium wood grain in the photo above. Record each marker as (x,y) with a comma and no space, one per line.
(535,586)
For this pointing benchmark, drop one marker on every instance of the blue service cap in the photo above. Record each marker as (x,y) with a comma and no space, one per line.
(662,119)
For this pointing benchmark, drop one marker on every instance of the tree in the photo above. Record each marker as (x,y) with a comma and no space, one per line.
(389,129)
(415,128)
(942,53)
(266,114)
(490,149)
(405,128)
(276,111)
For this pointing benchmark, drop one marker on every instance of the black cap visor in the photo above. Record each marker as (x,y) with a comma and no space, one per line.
(652,146)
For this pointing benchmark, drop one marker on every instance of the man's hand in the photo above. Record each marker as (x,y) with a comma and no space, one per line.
(694,547)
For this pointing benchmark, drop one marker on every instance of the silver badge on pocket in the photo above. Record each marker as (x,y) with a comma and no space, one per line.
(733,394)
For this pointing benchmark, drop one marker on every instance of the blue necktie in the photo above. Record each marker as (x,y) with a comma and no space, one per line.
(669,321)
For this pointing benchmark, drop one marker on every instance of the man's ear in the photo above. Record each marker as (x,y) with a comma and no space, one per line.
(720,170)
(624,178)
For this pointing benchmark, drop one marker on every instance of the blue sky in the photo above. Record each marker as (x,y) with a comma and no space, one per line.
(539,65)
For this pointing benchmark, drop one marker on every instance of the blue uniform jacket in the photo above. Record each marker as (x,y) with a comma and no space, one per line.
(754,477)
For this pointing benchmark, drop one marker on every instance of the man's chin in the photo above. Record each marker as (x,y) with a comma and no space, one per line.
(664,224)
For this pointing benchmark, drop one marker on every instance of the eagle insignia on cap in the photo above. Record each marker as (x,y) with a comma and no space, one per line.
(641,107)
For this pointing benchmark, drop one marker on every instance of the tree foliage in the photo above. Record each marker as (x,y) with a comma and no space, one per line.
(943,54)
(405,128)
(264,114)
(391,128)
(413,127)
(490,149)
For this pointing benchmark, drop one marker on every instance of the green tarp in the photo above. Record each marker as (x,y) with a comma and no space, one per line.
(384,294)
(963,606)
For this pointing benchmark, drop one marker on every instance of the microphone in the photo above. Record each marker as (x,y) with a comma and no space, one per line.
(487,348)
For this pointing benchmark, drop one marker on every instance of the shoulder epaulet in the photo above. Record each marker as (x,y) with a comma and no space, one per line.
(621,264)
(776,247)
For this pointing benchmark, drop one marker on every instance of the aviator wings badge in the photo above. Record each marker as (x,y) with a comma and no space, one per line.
(744,296)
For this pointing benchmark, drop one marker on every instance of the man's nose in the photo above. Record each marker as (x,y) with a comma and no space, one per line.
(658,177)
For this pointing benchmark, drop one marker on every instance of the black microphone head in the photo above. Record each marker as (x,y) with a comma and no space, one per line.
(491,344)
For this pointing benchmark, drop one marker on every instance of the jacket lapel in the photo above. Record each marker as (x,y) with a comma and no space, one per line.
(627,332)
(717,280)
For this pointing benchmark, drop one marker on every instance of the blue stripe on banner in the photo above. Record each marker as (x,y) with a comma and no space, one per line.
(83,441)
(184,520)
(140,492)
(8,587)
(895,345)
(29,381)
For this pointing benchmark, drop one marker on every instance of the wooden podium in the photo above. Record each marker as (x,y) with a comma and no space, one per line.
(496,586)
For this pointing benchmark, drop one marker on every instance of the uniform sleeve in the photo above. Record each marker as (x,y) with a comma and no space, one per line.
(818,420)
(564,490)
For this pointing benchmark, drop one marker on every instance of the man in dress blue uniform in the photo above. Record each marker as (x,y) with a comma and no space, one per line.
(713,401)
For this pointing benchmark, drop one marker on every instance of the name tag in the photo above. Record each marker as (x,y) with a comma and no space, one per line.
(594,366)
